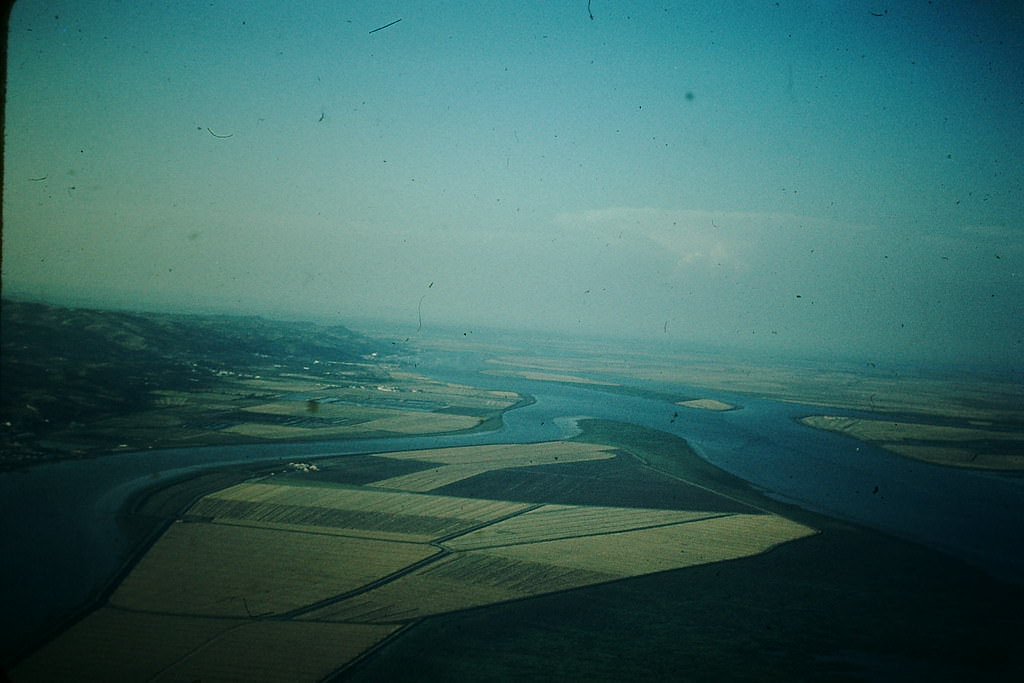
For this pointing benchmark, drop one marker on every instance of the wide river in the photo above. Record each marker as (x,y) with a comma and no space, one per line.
(61,542)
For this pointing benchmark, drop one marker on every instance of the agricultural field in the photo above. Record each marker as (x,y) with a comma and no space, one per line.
(456,464)
(141,646)
(548,377)
(224,570)
(264,566)
(362,512)
(956,446)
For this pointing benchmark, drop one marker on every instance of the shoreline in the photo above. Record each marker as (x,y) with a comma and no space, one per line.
(945,445)
(489,424)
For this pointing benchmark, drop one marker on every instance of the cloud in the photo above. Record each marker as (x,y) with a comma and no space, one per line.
(695,239)
(1011,237)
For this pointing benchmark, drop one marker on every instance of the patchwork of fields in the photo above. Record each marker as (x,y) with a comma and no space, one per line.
(294,577)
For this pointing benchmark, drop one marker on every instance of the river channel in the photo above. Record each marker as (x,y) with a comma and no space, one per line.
(62,543)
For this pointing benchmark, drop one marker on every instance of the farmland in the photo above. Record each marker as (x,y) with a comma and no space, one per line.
(265,565)
(960,445)
(163,647)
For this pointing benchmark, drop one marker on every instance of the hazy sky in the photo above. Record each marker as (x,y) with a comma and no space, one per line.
(803,175)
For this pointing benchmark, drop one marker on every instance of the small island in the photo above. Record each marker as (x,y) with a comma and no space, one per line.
(708,404)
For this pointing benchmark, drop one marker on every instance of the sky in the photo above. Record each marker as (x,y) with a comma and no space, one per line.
(822,178)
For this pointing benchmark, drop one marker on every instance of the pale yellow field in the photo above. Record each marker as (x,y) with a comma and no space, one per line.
(548,377)
(507,455)
(398,422)
(421,423)
(470,579)
(408,386)
(267,431)
(428,480)
(236,571)
(324,410)
(552,522)
(369,500)
(707,404)
(460,394)
(632,553)
(456,464)
(395,526)
(887,430)
(456,582)
(462,397)
(356,511)
(287,386)
(959,457)
(951,445)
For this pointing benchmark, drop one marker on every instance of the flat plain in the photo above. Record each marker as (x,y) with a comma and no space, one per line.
(254,566)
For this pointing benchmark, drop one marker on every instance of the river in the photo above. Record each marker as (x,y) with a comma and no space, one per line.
(62,543)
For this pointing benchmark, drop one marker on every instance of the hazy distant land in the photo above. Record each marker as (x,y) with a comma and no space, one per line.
(547,377)
(960,393)
(954,418)
(85,382)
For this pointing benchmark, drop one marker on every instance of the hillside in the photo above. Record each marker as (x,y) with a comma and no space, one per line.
(64,368)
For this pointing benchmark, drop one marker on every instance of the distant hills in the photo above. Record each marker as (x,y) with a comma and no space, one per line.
(60,367)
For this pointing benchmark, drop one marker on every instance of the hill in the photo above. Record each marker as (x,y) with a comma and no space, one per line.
(63,368)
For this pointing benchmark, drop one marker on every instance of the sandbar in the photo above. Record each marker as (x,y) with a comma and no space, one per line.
(707,404)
